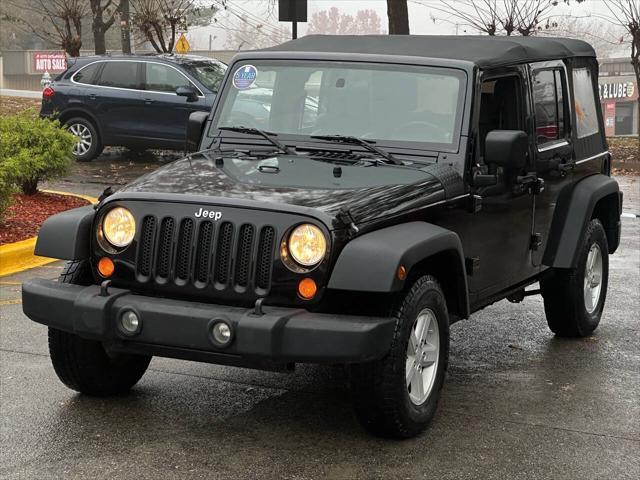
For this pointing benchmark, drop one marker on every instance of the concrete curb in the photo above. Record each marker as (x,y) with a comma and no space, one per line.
(18,256)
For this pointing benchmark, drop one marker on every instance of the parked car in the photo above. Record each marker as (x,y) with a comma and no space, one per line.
(416,189)
(133,101)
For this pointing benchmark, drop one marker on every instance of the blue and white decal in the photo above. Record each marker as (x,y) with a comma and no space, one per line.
(244,77)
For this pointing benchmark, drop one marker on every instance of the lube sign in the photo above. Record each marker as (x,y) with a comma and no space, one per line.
(616,90)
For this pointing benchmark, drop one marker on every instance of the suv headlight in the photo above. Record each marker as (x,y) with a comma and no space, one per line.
(119,227)
(307,245)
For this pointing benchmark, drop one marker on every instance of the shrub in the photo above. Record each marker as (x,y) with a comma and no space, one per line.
(6,190)
(33,149)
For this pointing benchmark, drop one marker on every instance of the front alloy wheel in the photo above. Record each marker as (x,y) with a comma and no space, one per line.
(83,137)
(423,350)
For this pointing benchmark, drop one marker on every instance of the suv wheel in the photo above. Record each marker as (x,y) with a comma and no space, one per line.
(88,144)
(397,396)
(574,298)
(84,365)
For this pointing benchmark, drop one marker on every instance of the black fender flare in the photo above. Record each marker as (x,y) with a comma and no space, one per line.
(66,235)
(369,263)
(574,210)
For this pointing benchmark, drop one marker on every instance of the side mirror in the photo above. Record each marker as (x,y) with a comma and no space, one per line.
(195,125)
(506,148)
(188,91)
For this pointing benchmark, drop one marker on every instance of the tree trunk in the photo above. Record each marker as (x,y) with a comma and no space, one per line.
(125,28)
(398,17)
(98,39)
(30,187)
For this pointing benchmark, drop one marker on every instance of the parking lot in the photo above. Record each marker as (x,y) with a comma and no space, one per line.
(517,403)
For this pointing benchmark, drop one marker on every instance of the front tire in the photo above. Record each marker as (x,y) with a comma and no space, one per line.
(88,145)
(84,365)
(574,298)
(397,396)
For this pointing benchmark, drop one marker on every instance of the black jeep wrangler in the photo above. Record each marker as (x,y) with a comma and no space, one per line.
(350,198)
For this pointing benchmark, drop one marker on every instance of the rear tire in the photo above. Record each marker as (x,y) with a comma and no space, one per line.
(84,365)
(88,145)
(574,298)
(397,396)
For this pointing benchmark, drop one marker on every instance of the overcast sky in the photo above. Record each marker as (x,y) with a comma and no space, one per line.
(421,16)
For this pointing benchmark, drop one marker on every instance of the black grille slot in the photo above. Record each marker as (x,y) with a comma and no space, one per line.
(223,253)
(145,252)
(183,255)
(243,257)
(265,253)
(165,241)
(203,254)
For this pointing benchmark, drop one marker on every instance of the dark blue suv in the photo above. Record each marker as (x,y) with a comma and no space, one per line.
(134,101)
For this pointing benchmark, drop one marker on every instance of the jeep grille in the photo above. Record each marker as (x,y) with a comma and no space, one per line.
(223,255)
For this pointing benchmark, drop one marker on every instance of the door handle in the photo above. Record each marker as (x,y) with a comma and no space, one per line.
(92,96)
(148,101)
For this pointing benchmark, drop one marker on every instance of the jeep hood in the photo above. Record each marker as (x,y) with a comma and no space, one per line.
(366,192)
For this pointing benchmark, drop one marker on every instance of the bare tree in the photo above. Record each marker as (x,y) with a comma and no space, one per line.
(502,17)
(398,14)
(605,37)
(104,16)
(248,35)
(160,20)
(626,13)
(58,22)
(333,22)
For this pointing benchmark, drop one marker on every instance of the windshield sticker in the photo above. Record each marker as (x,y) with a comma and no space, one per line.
(245,77)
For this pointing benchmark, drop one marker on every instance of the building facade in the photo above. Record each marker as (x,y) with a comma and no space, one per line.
(619,97)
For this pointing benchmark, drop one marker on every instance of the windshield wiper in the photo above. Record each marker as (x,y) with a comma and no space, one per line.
(367,144)
(267,135)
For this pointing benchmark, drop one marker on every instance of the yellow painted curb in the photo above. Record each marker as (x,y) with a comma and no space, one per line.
(18,256)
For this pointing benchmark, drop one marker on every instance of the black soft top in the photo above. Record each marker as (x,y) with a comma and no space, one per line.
(483,51)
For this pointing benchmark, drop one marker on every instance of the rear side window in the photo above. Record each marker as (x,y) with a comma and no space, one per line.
(120,75)
(161,78)
(87,75)
(549,101)
(585,104)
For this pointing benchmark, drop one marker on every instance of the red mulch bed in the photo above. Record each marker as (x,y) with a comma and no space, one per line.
(26,214)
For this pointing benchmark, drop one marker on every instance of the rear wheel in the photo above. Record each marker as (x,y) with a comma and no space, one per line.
(85,365)
(88,144)
(398,395)
(574,298)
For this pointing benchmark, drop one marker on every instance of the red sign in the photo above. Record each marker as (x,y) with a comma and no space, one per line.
(52,62)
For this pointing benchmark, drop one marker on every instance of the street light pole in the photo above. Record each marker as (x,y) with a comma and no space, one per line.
(294,29)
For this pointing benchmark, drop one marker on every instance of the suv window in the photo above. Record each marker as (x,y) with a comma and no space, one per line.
(161,78)
(120,74)
(548,98)
(87,75)
(585,104)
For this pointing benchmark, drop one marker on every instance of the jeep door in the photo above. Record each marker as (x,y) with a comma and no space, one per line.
(118,100)
(553,145)
(165,114)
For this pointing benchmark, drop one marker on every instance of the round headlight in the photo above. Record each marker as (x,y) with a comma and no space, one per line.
(307,245)
(119,227)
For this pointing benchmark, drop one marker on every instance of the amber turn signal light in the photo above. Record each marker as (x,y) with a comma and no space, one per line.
(307,288)
(402,272)
(106,267)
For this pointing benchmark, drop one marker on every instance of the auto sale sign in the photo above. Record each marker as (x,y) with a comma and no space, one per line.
(49,62)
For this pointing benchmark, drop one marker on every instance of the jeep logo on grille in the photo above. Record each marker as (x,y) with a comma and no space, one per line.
(202,213)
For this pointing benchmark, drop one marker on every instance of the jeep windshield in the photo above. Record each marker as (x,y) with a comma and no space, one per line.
(391,105)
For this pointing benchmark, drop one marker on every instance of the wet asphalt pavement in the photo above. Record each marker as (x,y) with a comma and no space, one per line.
(517,403)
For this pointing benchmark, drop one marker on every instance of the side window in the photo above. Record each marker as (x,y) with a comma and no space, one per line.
(161,78)
(549,101)
(120,74)
(585,104)
(87,75)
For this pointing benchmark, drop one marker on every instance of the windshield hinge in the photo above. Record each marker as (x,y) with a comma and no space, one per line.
(347,220)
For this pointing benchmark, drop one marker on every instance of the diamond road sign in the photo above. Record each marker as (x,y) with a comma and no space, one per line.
(182,45)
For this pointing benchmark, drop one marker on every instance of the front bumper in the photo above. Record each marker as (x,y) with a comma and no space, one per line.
(180,329)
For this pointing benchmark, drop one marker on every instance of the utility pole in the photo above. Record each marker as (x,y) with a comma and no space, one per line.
(125,27)
(294,26)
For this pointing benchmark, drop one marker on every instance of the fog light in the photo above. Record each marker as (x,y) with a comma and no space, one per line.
(221,333)
(130,323)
